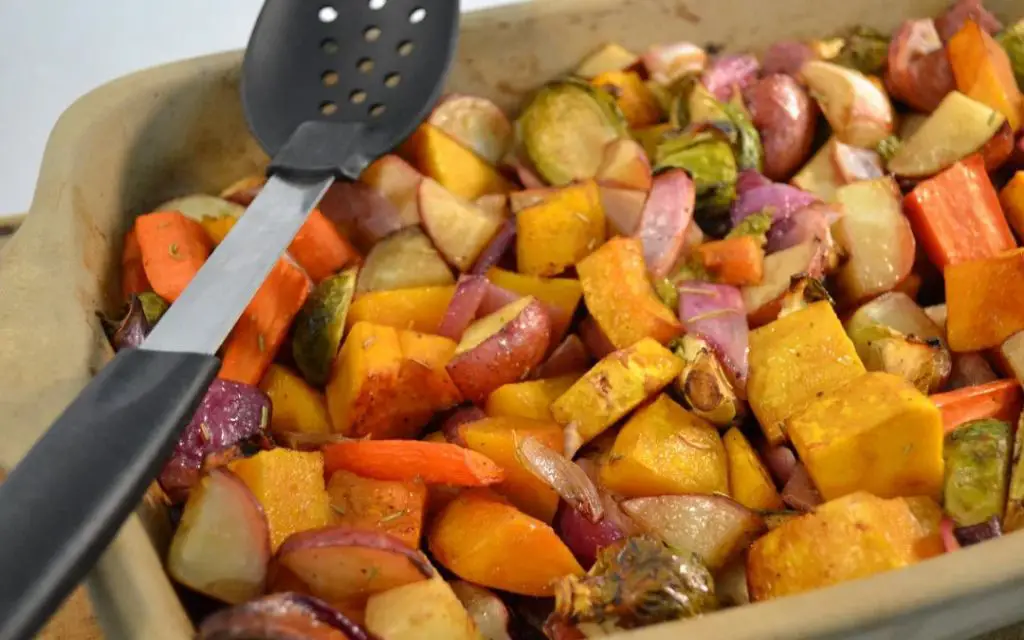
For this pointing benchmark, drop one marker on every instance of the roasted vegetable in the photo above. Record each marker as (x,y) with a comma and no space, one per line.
(637,582)
(864,49)
(924,363)
(423,609)
(558,232)
(439,156)
(298,407)
(704,384)
(280,616)
(984,306)
(320,325)
(708,158)
(1012,41)
(785,116)
(565,128)
(389,506)
(749,482)
(858,111)
(132,329)
(975,533)
(977,471)
(983,71)
(877,434)
(1013,519)
(402,260)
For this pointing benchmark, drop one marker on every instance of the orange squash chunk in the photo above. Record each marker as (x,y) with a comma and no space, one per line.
(388,506)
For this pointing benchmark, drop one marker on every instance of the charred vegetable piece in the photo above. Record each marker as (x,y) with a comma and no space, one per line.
(131,330)
(980,532)
(320,325)
(281,616)
(865,50)
(637,582)
(977,468)
(230,413)
(704,384)
(925,363)
(565,128)
(710,161)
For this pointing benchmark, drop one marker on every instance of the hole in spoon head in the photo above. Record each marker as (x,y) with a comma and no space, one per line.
(405,48)
(377,110)
(371,34)
(377,5)
(327,14)
(365,65)
(329,46)
(329,78)
(328,108)
(357,97)
(417,15)
(391,80)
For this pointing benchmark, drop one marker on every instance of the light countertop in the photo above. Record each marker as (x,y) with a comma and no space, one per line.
(56,50)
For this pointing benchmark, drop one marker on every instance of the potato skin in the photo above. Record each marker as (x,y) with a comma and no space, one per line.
(785,116)
(506,356)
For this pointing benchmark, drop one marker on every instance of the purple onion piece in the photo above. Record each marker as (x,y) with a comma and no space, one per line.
(783,200)
(786,57)
(133,329)
(729,71)
(811,222)
(496,248)
(716,314)
(975,533)
(230,413)
(800,492)
(750,179)
(469,293)
(282,616)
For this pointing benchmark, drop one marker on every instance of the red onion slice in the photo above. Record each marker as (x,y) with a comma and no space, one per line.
(496,249)
(783,200)
(716,314)
(462,310)
(567,479)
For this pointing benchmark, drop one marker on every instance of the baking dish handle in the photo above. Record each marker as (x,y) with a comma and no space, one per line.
(108,445)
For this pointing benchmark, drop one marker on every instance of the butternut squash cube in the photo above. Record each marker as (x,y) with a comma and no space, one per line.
(612,388)
(877,433)
(793,360)
(530,399)
(290,487)
(983,72)
(749,481)
(392,507)
(416,308)
(619,295)
(665,449)
(635,99)
(496,438)
(297,406)
(1012,199)
(561,230)
(364,374)
(984,301)
(459,170)
(853,537)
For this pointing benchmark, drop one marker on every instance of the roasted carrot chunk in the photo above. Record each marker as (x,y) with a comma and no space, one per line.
(173,249)
(956,215)
(433,462)
(320,249)
(984,301)
(1000,400)
(983,72)
(737,261)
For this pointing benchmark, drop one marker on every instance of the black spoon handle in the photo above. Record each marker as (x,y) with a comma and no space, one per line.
(65,501)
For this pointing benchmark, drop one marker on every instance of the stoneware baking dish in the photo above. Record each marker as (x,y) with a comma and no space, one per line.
(179,129)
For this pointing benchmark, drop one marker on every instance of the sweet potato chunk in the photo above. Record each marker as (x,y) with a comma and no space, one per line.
(877,433)
(612,388)
(558,232)
(392,507)
(496,438)
(531,399)
(457,168)
(290,487)
(485,540)
(365,373)
(620,298)
(416,309)
(297,406)
(984,301)
(794,359)
(749,482)
(983,72)
(853,537)
(665,449)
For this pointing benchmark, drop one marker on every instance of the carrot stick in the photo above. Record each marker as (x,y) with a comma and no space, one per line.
(133,274)
(433,462)
(320,249)
(737,261)
(261,330)
(173,249)
(1000,399)
(956,215)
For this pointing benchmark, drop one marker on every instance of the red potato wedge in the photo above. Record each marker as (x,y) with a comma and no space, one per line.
(877,238)
(622,209)
(486,609)
(858,111)
(625,165)
(500,348)
(424,609)
(460,230)
(403,260)
(281,616)
(664,219)
(764,300)
(786,57)
(569,357)
(957,128)
(854,164)
(714,527)
(431,462)
(476,123)
(785,116)
(222,546)
(665,63)
(396,180)
(361,214)
(497,297)
(918,73)
(495,203)
(342,564)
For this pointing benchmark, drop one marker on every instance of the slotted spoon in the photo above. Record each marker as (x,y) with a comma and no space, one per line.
(328,86)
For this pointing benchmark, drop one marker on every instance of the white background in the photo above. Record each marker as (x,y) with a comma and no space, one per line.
(53,51)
